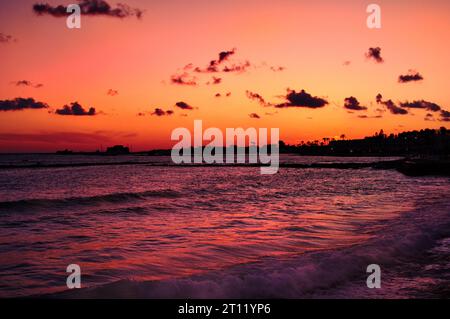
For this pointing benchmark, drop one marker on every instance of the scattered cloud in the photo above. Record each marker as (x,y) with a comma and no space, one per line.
(75,109)
(421,104)
(183,106)
(346,63)
(6,38)
(112,92)
(257,97)
(213,65)
(351,103)
(364,116)
(160,112)
(19,104)
(391,106)
(302,99)
(375,54)
(412,76)
(238,68)
(27,83)
(445,116)
(89,7)
(183,79)
(214,81)
(277,68)
(254,116)
(228,94)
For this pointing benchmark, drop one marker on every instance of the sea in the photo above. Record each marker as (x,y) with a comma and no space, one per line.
(142,227)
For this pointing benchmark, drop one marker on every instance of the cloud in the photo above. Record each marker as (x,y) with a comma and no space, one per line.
(228,94)
(112,92)
(351,103)
(75,109)
(27,83)
(375,54)
(6,38)
(224,55)
(19,104)
(346,63)
(254,116)
(239,68)
(391,106)
(277,68)
(214,64)
(370,117)
(183,79)
(445,116)
(302,99)
(184,106)
(410,77)
(421,104)
(89,7)
(215,81)
(161,112)
(256,97)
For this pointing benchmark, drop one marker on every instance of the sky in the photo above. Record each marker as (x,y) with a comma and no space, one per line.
(313,69)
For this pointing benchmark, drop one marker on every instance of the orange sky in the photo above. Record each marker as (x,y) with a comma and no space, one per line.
(137,57)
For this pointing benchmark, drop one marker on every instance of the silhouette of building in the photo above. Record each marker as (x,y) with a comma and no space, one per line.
(117,150)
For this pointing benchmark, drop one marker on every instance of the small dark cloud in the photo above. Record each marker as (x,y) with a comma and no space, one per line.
(160,112)
(351,103)
(19,104)
(224,55)
(421,104)
(27,83)
(391,106)
(256,97)
(75,109)
(302,99)
(238,68)
(89,7)
(445,116)
(254,116)
(228,94)
(214,81)
(6,38)
(346,63)
(277,68)
(218,95)
(410,77)
(375,54)
(184,106)
(112,92)
(369,117)
(183,79)
(214,64)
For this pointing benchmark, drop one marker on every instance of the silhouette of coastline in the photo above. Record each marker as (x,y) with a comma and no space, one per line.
(424,152)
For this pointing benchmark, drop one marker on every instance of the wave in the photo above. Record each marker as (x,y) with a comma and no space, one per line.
(301,276)
(40,203)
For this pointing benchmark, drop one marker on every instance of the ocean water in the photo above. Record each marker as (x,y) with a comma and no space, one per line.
(155,231)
